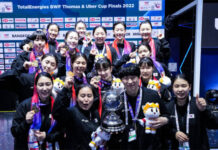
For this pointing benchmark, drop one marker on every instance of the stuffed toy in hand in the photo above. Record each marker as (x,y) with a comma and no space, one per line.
(99,137)
(151,111)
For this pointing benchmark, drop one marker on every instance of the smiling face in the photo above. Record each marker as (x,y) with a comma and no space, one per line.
(72,40)
(81,29)
(53,31)
(143,52)
(85,98)
(146,72)
(44,88)
(145,31)
(131,84)
(79,66)
(105,73)
(99,35)
(49,64)
(181,89)
(119,32)
(39,44)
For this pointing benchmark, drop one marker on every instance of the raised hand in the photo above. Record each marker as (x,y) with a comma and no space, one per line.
(201,103)
(29,116)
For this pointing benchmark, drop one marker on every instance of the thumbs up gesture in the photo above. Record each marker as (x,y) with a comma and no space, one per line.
(201,103)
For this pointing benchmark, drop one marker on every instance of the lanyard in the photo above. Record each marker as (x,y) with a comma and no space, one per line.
(137,107)
(103,50)
(187,118)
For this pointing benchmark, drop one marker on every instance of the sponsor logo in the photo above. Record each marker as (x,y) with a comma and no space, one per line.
(9,50)
(70,19)
(43,26)
(94,19)
(156,32)
(8,61)
(92,25)
(107,24)
(33,20)
(6,35)
(8,26)
(20,26)
(119,18)
(10,55)
(1,66)
(45,20)
(131,24)
(157,24)
(1,45)
(110,34)
(1,56)
(33,26)
(107,19)
(1,61)
(7,44)
(6,7)
(156,18)
(84,19)
(131,18)
(20,20)
(154,5)
(61,25)
(7,67)
(19,51)
(143,18)
(19,35)
(7,20)
(69,25)
(1,50)
(57,20)
(216,23)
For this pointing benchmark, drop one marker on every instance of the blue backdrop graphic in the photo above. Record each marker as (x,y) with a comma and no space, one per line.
(19,18)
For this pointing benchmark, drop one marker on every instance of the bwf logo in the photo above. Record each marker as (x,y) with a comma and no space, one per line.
(216,23)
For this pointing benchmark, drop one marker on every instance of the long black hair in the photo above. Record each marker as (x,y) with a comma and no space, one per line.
(146,61)
(50,24)
(51,55)
(38,34)
(182,76)
(77,55)
(68,32)
(105,30)
(103,63)
(129,70)
(144,22)
(43,74)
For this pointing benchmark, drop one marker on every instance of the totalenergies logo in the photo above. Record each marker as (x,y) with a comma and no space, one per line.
(216,23)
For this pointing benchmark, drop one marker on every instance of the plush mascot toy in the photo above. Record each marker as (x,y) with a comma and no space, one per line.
(99,137)
(58,86)
(117,85)
(165,80)
(154,85)
(151,111)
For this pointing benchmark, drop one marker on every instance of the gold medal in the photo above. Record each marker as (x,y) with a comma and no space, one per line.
(35,109)
(98,78)
(70,74)
(35,63)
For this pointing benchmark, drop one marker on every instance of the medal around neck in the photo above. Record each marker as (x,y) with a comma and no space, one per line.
(35,63)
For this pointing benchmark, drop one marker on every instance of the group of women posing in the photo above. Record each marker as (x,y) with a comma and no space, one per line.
(88,69)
